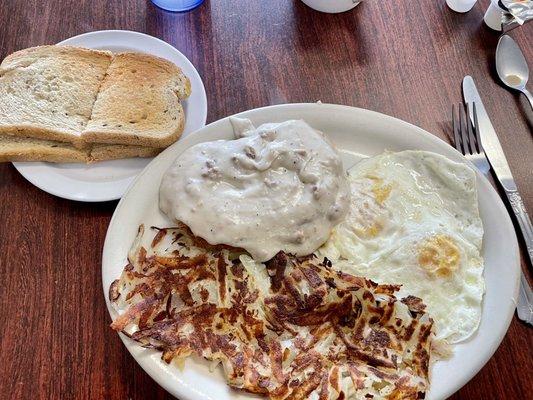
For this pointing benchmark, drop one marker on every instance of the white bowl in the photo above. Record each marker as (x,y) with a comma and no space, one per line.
(332,6)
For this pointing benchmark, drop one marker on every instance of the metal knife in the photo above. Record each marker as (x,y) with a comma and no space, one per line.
(498,162)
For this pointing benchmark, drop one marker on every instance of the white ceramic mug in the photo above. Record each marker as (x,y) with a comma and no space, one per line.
(332,6)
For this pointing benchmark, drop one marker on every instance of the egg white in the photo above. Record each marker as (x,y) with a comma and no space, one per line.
(414,221)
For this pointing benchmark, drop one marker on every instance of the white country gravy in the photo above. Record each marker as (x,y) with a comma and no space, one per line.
(278,187)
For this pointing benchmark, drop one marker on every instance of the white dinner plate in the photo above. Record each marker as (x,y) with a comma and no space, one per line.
(356,133)
(109,180)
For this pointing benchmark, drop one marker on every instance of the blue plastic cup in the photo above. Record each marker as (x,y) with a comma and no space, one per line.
(177,5)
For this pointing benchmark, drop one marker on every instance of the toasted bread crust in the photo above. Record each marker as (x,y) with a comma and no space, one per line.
(15,59)
(44,133)
(29,149)
(14,148)
(115,151)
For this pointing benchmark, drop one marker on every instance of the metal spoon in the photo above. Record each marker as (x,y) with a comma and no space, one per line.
(512,66)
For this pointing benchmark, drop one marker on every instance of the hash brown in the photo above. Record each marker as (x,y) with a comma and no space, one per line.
(296,329)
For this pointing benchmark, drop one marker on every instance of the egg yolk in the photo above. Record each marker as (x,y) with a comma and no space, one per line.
(381,192)
(368,231)
(439,255)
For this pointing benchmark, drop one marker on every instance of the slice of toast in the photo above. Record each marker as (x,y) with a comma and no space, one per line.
(13,148)
(48,92)
(139,102)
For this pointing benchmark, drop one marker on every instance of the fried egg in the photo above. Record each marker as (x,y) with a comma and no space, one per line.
(414,221)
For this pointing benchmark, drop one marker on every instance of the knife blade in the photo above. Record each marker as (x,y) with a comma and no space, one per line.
(498,161)
(489,139)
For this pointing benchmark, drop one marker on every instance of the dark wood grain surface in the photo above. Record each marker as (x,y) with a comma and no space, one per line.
(404,58)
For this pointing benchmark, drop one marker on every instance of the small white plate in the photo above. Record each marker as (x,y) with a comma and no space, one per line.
(109,180)
(356,133)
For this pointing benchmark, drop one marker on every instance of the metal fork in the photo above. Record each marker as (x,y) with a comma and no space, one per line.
(468,143)
(466,137)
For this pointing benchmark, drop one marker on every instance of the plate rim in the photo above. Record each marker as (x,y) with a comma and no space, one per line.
(95,197)
(514,255)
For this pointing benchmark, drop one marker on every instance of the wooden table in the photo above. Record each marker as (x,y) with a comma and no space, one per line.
(404,58)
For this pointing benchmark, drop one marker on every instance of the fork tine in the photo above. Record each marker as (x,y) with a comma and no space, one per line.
(463,130)
(476,129)
(456,136)
(469,124)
